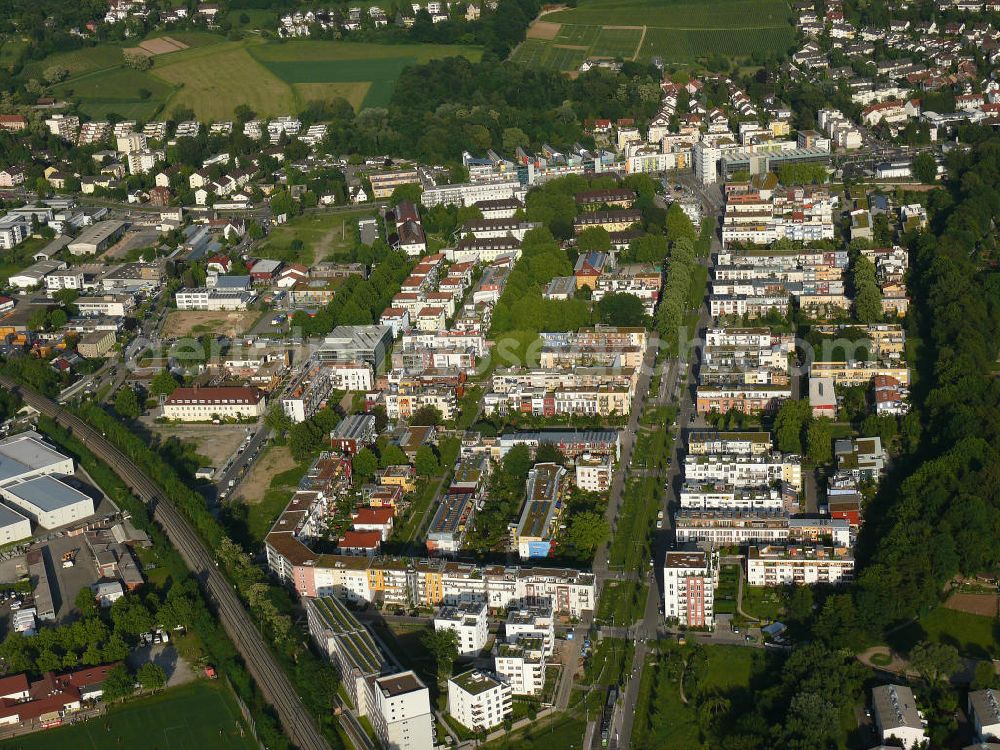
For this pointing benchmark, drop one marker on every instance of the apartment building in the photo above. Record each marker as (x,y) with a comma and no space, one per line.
(479,700)
(748,399)
(347,644)
(689,582)
(745,471)
(450,523)
(594,473)
(469,621)
(399,709)
(717,495)
(534,621)
(705,442)
(521,665)
(201,404)
(858,373)
(727,527)
(533,534)
(773,565)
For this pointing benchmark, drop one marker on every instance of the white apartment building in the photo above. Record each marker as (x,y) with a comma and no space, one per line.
(399,708)
(470,623)
(115,305)
(701,496)
(727,527)
(689,581)
(479,700)
(532,622)
(522,665)
(69,278)
(214,299)
(594,473)
(224,402)
(465,194)
(744,471)
(799,564)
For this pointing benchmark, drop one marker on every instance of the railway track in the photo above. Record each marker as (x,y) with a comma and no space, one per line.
(256,653)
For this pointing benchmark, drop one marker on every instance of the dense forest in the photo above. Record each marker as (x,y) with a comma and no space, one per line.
(453,105)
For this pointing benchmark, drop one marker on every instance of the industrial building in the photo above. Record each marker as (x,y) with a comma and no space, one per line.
(48,502)
(97,238)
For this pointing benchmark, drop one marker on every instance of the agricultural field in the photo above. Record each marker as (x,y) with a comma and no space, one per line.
(677,31)
(195,716)
(368,72)
(213,76)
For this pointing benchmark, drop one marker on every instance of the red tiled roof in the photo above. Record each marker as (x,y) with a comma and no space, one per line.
(360,540)
(373,516)
(216,395)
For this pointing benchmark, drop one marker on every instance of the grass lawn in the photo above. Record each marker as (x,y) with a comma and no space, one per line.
(725,595)
(192,717)
(972,635)
(678,31)
(762,602)
(321,234)
(564,732)
(664,722)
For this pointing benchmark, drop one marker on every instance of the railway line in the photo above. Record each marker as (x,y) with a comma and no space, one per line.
(256,653)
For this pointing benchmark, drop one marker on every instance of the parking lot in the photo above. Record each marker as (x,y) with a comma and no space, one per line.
(67,582)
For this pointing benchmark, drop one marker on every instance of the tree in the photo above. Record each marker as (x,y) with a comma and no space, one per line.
(426,462)
(85,602)
(512,138)
(392,455)
(403,193)
(163,383)
(621,309)
(789,423)
(57,319)
(443,646)
(151,676)
(819,441)
(587,530)
(37,320)
(127,403)
(986,676)
(118,684)
(427,415)
(55,73)
(594,239)
(363,465)
(924,168)
(935,661)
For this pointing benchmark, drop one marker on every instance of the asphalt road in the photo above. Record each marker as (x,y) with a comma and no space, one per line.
(648,627)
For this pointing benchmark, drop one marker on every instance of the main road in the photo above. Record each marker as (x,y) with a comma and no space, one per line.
(675,375)
(298,723)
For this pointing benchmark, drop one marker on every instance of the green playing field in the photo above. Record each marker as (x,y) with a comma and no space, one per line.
(193,717)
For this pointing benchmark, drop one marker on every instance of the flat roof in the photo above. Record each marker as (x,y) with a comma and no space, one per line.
(26,452)
(399,684)
(475,681)
(47,493)
(9,517)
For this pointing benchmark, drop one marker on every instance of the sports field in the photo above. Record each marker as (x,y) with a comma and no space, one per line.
(193,717)
(213,76)
(677,31)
